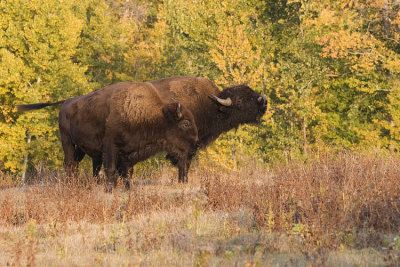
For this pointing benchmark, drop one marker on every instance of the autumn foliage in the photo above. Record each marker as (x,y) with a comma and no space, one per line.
(330,70)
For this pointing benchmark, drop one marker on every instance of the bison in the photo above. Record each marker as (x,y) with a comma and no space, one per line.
(214,111)
(124,122)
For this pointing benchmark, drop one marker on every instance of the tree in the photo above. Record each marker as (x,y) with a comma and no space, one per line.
(38,39)
(362,65)
(50,50)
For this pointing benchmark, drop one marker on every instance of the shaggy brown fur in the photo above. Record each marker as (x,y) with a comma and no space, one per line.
(121,123)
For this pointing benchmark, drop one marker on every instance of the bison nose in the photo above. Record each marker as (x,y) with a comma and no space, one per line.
(196,144)
(262,100)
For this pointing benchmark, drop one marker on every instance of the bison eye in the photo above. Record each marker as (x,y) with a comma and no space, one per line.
(239,103)
(184,124)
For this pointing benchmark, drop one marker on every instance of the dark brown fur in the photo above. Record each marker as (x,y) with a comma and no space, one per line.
(124,122)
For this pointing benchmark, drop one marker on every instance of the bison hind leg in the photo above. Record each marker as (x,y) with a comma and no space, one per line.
(78,154)
(70,164)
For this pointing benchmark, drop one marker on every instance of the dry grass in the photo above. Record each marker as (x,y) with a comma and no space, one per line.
(338,209)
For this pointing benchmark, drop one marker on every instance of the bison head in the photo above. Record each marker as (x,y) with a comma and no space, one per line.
(183,133)
(240,104)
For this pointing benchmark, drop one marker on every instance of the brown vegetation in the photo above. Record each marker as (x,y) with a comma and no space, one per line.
(336,208)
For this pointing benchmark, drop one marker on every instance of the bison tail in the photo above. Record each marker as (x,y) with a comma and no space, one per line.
(37,106)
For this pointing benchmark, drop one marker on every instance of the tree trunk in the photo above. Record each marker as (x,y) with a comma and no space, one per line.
(305,145)
(25,165)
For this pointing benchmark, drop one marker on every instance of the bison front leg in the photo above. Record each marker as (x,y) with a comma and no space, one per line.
(183,167)
(96,162)
(110,162)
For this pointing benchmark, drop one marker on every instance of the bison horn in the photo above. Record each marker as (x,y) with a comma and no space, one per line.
(178,111)
(225,102)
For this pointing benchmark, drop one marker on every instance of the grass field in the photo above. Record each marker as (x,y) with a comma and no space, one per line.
(335,210)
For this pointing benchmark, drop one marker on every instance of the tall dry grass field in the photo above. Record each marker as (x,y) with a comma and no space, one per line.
(335,210)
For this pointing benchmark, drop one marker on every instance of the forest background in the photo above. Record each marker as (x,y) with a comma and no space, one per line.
(329,69)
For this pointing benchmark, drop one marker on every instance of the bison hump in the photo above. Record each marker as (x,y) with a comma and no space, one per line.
(138,104)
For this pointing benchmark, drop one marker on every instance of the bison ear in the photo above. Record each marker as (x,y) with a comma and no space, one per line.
(172,112)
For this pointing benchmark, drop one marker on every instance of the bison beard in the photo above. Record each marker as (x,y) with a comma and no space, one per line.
(123,124)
